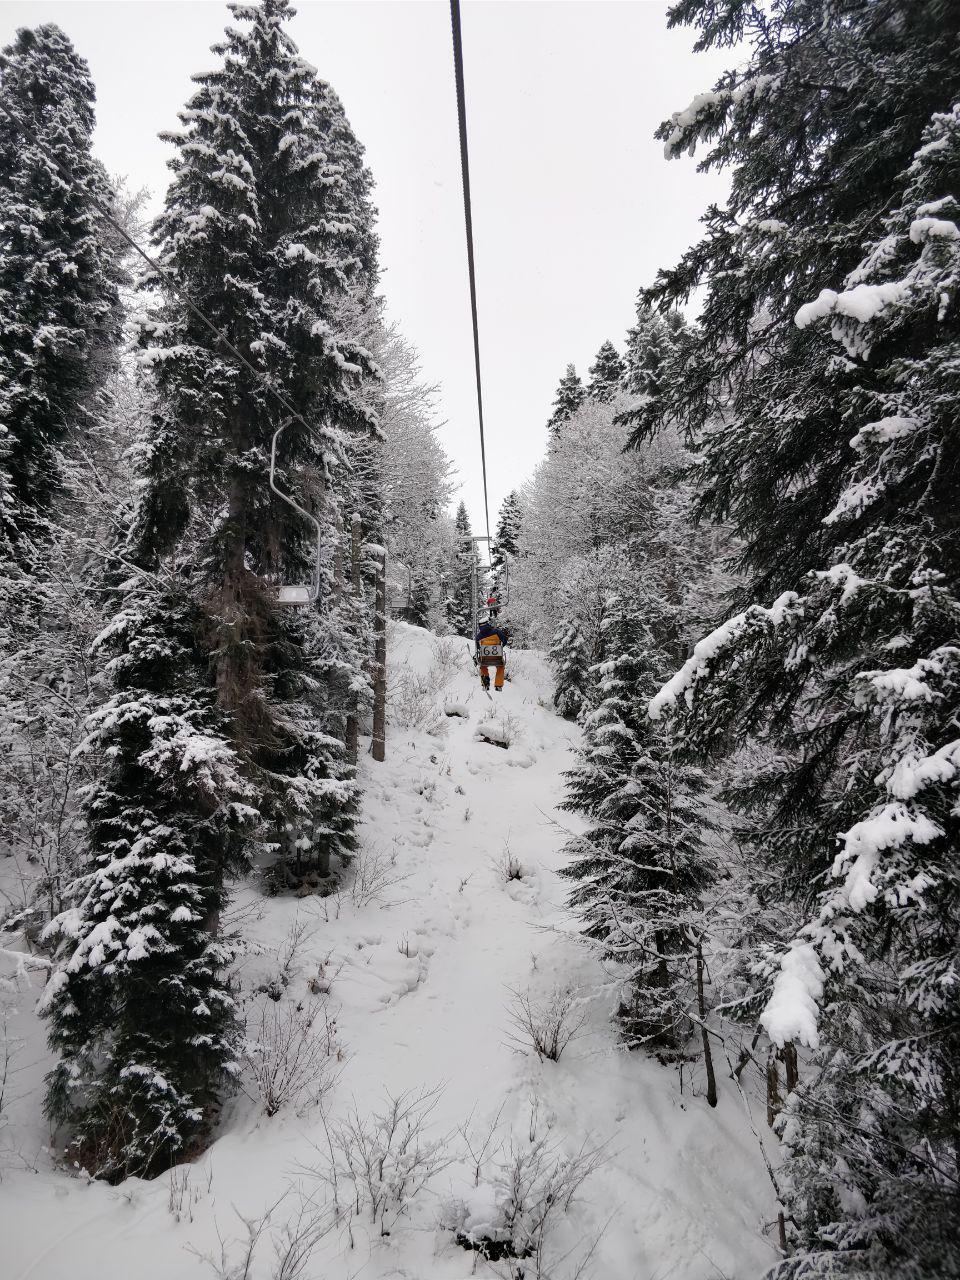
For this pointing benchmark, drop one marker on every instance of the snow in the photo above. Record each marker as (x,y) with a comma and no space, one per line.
(854,499)
(791,1012)
(845,574)
(418,979)
(863,302)
(912,773)
(894,427)
(922,229)
(892,825)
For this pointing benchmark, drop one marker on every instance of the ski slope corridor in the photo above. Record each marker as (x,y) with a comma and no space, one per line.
(418,978)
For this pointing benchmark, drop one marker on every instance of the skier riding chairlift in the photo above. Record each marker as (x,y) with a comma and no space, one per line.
(491,639)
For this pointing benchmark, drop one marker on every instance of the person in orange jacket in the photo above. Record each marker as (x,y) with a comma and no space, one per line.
(491,640)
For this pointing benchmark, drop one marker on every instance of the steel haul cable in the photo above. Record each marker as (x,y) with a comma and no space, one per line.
(468,219)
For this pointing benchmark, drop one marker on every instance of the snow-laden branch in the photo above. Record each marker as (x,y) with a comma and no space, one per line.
(698,664)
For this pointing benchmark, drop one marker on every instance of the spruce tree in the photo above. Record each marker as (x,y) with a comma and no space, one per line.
(606,373)
(506,542)
(653,371)
(141,1015)
(461,601)
(570,660)
(640,868)
(227,720)
(830,330)
(58,296)
(570,396)
(843,90)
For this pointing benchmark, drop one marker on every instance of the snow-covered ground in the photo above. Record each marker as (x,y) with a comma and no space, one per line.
(418,965)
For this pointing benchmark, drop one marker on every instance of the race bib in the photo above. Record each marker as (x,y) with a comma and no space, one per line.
(491,651)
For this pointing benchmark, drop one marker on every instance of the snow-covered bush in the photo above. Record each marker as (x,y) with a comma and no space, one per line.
(546,1024)
(374,872)
(508,866)
(291,1053)
(522,1189)
(377,1165)
(412,703)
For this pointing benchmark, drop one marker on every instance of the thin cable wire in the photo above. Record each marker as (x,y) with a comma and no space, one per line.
(162,271)
(468,218)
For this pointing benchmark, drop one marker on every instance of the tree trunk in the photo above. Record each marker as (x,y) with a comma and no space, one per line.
(790,1062)
(353,719)
(704,1033)
(773,1110)
(379,745)
(773,1089)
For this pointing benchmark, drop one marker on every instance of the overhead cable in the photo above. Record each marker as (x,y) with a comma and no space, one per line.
(468,218)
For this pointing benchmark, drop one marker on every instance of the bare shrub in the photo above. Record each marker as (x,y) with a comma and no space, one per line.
(412,703)
(547,1023)
(376,1165)
(288,960)
(183,1194)
(292,1055)
(374,872)
(540,1183)
(297,1239)
(293,1243)
(481,1145)
(508,866)
(534,1183)
(236,1257)
(446,662)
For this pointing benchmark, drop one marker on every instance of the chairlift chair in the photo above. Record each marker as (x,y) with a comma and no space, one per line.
(296,593)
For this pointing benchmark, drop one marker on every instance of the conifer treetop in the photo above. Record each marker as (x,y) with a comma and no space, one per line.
(570,396)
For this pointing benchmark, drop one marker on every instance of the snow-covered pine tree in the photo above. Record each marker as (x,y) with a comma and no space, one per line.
(570,660)
(140,1011)
(460,597)
(844,90)
(654,365)
(268,220)
(58,295)
(837,460)
(641,868)
(606,373)
(226,720)
(570,396)
(506,541)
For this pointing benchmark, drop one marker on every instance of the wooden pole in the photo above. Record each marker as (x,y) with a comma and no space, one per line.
(378,748)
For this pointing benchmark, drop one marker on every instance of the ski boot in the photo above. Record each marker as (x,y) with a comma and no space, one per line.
(485,681)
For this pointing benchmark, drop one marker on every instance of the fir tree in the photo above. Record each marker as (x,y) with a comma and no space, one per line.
(506,542)
(654,368)
(461,601)
(141,1014)
(570,396)
(570,660)
(836,465)
(58,296)
(844,90)
(227,720)
(606,373)
(641,867)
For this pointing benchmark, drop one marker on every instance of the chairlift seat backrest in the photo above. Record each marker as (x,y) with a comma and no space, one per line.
(295,595)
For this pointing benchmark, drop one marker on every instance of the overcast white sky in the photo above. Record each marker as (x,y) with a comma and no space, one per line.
(574,204)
